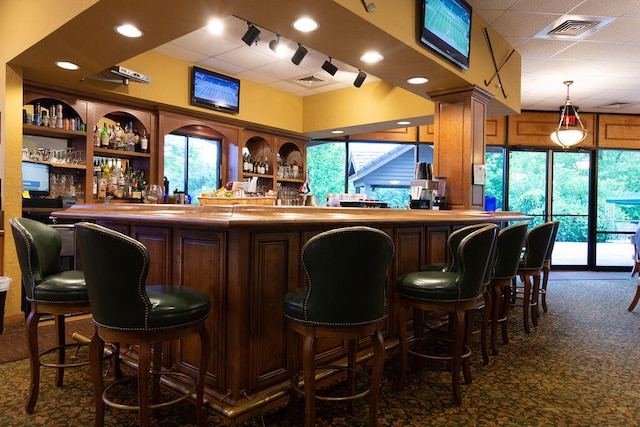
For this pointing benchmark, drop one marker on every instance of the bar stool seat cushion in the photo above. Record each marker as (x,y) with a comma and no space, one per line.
(66,287)
(176,306)
(433,286)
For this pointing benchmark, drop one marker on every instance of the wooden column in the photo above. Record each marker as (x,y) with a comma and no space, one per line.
(459,142)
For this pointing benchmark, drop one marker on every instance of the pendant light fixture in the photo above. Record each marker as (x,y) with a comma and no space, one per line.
(570,130)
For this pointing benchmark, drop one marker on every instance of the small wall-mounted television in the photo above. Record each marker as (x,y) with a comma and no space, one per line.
(216,91)
(35,179)
(445,26)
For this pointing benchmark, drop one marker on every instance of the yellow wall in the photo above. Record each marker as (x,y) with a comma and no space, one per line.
(44,17)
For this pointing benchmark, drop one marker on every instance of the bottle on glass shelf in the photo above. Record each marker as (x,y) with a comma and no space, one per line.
(118,140)
(266,166)
(104,137)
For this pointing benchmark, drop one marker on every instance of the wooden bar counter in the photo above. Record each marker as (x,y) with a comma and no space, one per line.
(246,258)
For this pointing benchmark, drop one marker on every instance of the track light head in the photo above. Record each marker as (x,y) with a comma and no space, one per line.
(360,78)
(329,67)
(301,52)
(252,34)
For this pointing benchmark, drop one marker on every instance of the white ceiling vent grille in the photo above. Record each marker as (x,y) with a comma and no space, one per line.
(573,27)
(311,81)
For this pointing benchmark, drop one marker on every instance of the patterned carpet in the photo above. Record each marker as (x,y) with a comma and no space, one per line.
(578,368)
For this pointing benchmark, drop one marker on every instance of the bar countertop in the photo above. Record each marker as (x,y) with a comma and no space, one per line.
(277,216)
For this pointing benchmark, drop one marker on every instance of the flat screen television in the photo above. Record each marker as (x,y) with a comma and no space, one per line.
(445,26)
(216,91)
(35,179)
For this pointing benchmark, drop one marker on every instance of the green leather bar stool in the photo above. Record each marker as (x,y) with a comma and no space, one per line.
(126,310)
(509,250)
(48,290)
(529,270)
(345,298)
(546,266)
(453,292)
(452,266)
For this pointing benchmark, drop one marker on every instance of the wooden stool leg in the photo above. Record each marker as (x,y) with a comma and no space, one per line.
(526,302)
(376,377)
(351,376)
(635,298)
(205,351)
(34,358)
(535,307)
(60,341)
(488,310)
(506,298)
(293,365)
(96,353)
(309,368)
(402,341)
(457,349)
(495,316)
(144,364)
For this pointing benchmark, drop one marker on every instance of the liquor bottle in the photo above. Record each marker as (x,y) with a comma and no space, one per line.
(266,165)
(129,137)
(118,140)
(144,142)
(104,137)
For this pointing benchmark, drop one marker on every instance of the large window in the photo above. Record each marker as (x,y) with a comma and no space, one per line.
(192,165)
(382,171)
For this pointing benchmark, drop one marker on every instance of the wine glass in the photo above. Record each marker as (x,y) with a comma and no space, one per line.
(154,194)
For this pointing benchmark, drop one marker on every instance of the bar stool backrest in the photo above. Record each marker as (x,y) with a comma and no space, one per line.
(537,243)
(346,272)
(38,247)
(454,241)
(473,256)
(552,241)
(510,241)
(115,268)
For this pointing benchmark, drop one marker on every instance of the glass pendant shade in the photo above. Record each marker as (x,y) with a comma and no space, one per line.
(570,130)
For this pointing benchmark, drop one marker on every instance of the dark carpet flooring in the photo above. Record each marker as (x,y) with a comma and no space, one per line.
(576,369)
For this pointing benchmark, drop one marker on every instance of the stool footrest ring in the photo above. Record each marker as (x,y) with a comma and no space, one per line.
(466,352)
(185,395)
(358,372)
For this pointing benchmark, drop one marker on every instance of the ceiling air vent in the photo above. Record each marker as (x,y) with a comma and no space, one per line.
(573,28)
(616,105)
(310,81)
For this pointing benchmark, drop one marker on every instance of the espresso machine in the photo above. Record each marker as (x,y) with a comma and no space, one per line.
(422,187)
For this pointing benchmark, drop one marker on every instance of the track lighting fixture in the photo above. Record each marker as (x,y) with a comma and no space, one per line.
(329,67)
(277,47)
(252,34)
(301,52)
(360,78)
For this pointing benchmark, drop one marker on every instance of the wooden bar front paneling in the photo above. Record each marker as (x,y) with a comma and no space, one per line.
(247,258)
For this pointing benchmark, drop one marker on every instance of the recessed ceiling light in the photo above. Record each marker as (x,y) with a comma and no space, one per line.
(305,24)
(371,57)
(404,123)
(215,26)
(67,65)
(128,30)
(417,80)
(337,131)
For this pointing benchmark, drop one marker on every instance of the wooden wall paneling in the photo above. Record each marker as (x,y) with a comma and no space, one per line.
(396,135)
(199,262)
(427,134)
(273,266)
(532,128)
(618,131)
(496,133)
